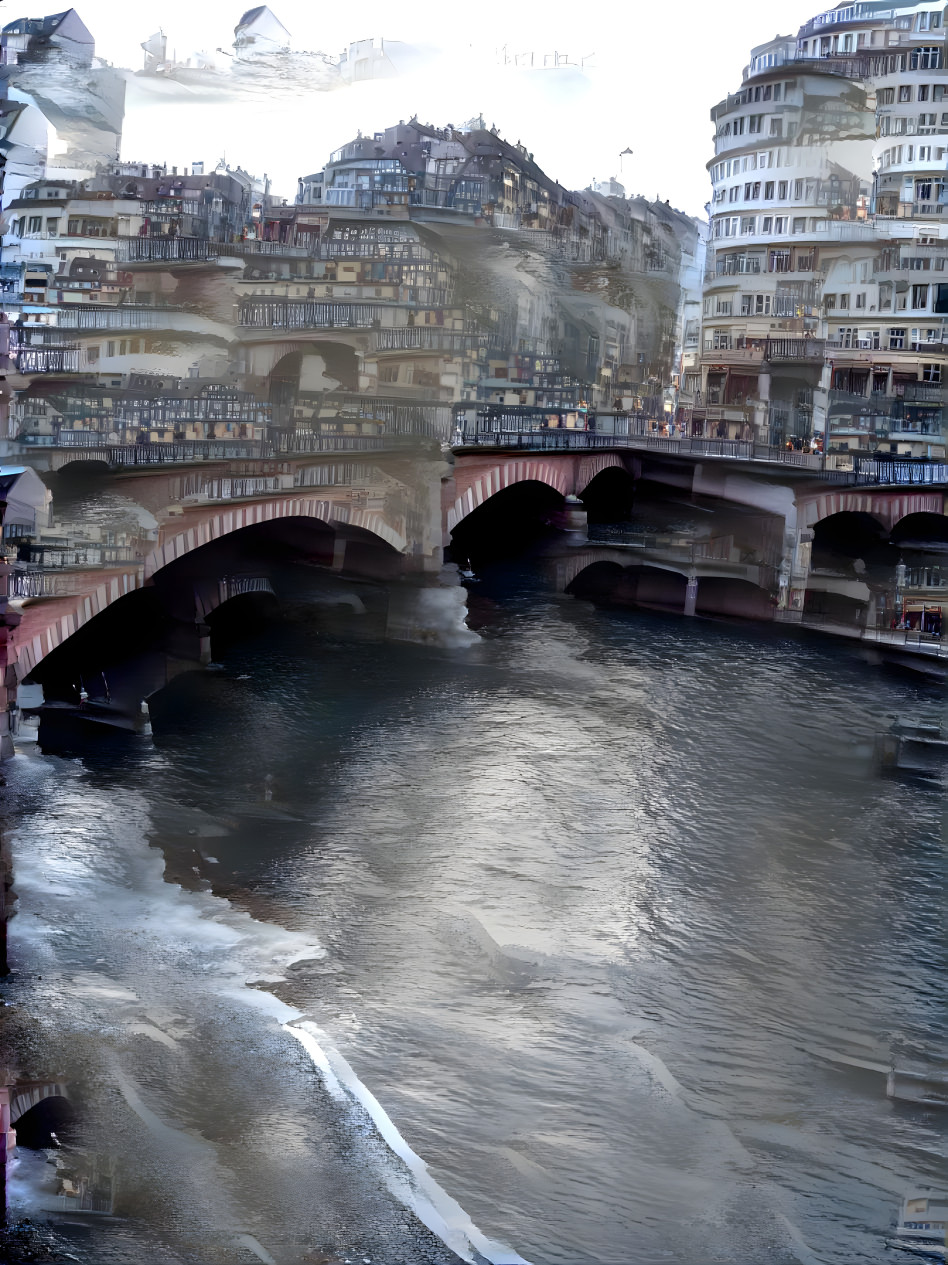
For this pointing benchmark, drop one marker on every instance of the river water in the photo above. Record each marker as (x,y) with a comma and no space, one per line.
(542,949)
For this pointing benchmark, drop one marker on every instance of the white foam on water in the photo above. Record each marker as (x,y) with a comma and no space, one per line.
(431,1203)
(131,896)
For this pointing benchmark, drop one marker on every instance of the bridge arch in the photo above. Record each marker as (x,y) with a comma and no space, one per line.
(48,625)
(887,507)
(591,467)
(505,474)
(923,526)
(24,1097)
(221,521)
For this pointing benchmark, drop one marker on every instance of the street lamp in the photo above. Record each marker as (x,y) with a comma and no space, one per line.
(900,577)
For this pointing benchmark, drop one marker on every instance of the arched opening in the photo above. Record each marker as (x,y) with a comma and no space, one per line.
(598,582)
(81,473)
(650,587)
(303,377)
(508,524)
(608,498)
(921,531)
(100,674)
(242,615)
(732,598)
(852,543)
(36,1127)
(102,657)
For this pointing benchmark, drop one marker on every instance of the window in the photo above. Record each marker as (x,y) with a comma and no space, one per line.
(847,336)
(754,122)
(35,224)
(924,153)
(780,224)
(886,96)
(722,307)
(861,299)
(925,59)
(769,191)
(720,340)
(733,193)
(776,127)
(110,349)
(767,224)
(922,94)
(926,123)
(52,227)
(844,302)
(905,92)
(747,224)
(931,373)
(92,355)
(805,261)
(782,189)
(938,91)
(780,261)
(920,296)
(896,339)
(798,190)
(747,304)
(923,190)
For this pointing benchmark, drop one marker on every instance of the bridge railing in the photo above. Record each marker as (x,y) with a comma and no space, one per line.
(911,473)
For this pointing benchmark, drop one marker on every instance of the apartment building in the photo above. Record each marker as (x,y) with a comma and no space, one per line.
(822,323)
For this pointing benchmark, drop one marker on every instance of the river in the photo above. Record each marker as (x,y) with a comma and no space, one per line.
(539,950)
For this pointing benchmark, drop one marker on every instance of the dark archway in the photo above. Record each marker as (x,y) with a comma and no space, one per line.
(733,598)
(921,531)
(849,537)
(608,498)
(651,587)
(599,582)
(508,523)
(52,1115)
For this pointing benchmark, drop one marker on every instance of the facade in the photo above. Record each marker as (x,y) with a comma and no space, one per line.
(822,322)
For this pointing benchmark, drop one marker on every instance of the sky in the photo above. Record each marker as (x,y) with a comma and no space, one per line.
(650,74)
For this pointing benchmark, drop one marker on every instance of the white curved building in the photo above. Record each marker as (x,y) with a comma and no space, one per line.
(822,322)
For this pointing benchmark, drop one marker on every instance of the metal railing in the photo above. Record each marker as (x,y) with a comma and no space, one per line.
(166,250)
(900,473)
(47,360)
(304,443)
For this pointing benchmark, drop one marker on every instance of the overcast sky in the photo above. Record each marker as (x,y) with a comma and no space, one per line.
(652,73)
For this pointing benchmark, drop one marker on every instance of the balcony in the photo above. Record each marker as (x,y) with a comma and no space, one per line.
(47,360)
(149,250)
(782,350)
(428,338)
(282,249)
(290,314)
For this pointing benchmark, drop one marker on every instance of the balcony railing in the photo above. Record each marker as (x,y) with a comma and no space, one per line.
(794,349)
(432,338)
(47,360)
(290,314)
(254,247)
(166,250)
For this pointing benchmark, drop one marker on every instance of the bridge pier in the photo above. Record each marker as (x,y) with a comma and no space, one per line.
(429,613)
(691,595)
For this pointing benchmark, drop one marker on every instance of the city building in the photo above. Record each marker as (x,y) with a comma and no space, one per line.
(822,325)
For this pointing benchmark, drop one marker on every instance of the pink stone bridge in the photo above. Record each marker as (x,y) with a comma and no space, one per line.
(409,506)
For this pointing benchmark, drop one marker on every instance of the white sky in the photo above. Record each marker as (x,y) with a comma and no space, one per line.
(656,71)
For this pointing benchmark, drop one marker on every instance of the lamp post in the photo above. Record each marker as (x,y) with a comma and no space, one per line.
(900,577)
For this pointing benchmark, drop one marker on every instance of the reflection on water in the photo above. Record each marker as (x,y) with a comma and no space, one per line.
(584,907)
